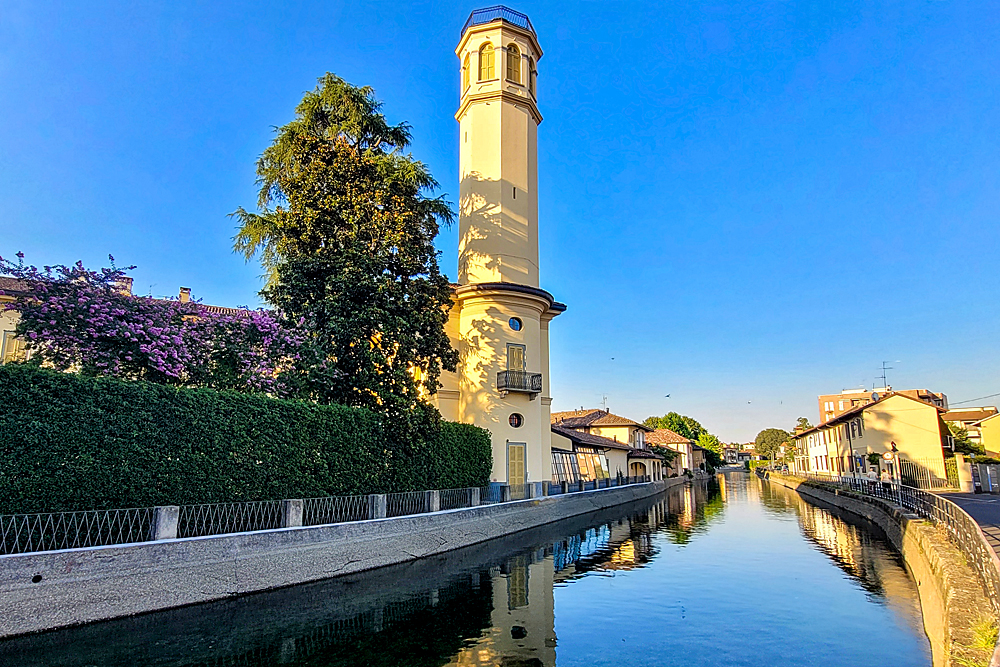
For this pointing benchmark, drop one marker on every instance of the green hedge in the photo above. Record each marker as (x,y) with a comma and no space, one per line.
(69,442)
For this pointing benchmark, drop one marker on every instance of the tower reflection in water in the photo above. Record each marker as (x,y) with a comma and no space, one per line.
(493,604)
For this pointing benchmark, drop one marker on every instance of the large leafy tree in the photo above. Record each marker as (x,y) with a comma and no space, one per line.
(770,440)
(678,423)
(345,229)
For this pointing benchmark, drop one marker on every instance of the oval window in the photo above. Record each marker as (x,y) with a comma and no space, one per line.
(515,323)
(515,420)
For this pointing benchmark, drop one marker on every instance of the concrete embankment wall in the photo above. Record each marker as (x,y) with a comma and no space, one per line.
(56,589)
(952,600)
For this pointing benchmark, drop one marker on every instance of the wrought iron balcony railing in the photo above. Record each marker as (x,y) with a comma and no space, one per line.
(497,13)
(520,381)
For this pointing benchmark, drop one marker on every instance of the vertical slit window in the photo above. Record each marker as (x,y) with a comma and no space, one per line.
(532,75)
(465,74)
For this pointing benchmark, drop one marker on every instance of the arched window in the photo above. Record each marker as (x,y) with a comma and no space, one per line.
(465,74)
(513,63)
(486,70)
(532,75)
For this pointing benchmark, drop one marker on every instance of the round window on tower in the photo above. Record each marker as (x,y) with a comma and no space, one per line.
(515,420)
(515,323)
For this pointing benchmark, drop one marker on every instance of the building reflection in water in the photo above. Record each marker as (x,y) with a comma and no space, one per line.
(862,554)
(492,604)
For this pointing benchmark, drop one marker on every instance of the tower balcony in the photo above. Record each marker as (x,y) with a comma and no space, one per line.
(521,382)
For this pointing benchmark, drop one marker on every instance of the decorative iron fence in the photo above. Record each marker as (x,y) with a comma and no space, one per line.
(336,509)
(22,533)
(962,528)
(223,518)
(28,533)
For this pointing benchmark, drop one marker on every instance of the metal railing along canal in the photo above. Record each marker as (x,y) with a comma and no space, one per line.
(30,533)
(963,530)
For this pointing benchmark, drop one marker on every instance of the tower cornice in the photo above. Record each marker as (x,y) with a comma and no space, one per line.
(503,96)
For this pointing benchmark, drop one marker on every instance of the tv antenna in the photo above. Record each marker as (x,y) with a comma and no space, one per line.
(604,400)
(885,384)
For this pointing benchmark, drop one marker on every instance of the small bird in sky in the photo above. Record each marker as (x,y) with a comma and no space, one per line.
(667,396)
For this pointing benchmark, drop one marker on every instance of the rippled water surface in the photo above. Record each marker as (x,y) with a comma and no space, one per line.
(728,572)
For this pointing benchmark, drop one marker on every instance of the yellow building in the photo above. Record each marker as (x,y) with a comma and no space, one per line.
(989,435)
(500,321)
(620,439)
(843,444)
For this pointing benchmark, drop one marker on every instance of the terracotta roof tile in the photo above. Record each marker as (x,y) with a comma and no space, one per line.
(594,417)
(664,436)
(968,414)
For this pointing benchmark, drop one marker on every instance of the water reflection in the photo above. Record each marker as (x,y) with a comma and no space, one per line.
(634,585)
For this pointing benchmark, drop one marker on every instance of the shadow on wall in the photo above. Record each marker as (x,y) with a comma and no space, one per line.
(509,234)
(483,357)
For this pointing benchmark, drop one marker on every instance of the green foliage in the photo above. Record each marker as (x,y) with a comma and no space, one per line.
(679,424)
(346,233)
(802,423)
(963,445)
(873,459)
(769,441)
(69,442)
(713,449)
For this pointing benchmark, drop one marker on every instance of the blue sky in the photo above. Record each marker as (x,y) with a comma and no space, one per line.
(743,207)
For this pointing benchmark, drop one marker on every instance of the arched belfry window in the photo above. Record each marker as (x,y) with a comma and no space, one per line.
(465,74)
(513,63)
(486,69)
(532,75)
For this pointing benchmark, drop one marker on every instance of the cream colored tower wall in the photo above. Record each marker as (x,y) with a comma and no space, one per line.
(498,164)
(484,335)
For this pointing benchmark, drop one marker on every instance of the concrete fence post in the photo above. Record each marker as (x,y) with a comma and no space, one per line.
(580,485)
(565,486)
(505,493)
(474,498)
(165,522)
(432,501)
(291,513)
(377,506)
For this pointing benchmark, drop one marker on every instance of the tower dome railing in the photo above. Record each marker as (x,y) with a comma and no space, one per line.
(497,13)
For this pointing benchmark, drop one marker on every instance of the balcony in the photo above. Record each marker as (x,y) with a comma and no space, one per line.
(519,381)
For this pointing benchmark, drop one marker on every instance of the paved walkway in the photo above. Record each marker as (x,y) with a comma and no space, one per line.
(985,509)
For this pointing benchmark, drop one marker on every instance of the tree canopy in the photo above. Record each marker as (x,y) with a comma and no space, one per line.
(802,423)
(345,230)
(679,424)
(769,441)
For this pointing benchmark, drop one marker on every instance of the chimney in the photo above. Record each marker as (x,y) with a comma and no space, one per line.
(185,294)
(124,285)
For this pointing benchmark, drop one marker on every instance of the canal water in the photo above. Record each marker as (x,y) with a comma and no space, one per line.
(731,571)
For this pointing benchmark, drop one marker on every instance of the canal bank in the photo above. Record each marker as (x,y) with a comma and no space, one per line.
(953,604)
(661,582)
(55,589)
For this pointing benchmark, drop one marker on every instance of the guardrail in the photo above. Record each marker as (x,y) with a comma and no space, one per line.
(963,530)
(30,533)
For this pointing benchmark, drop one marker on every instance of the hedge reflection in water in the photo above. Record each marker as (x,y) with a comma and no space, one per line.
(493,604)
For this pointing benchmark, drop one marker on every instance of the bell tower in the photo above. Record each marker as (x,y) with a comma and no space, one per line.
(498,157)
(500,321)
